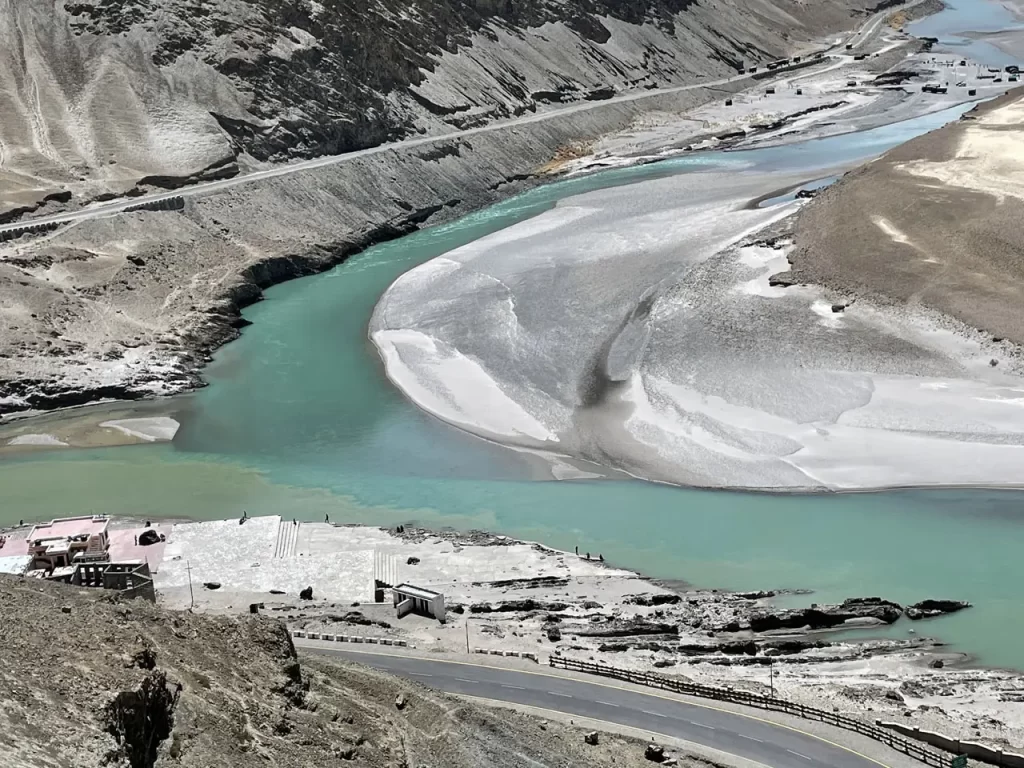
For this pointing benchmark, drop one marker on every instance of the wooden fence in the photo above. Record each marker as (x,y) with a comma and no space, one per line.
(914,749)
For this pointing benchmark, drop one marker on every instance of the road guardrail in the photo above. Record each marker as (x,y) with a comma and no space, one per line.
(907,746)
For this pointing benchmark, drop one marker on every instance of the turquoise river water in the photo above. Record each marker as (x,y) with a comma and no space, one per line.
(299,420)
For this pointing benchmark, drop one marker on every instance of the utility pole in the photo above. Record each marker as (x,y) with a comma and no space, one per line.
(467,634)
(191,594)
(771,674)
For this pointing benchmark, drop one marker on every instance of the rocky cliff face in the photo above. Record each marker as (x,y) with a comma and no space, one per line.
(108,97)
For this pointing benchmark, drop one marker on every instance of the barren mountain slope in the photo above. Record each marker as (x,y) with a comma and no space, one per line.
(100,94)
(90,682)
(105,98)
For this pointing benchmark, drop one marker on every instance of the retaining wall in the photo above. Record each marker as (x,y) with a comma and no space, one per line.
(175,203)
(350,639)
(972,749)
(12,234)
(509,654)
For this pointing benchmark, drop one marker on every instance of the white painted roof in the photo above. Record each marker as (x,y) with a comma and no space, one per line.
(420,592)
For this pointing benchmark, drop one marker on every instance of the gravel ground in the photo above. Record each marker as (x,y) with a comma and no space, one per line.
(901,230)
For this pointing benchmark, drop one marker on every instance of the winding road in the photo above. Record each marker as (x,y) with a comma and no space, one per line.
(746,736)
(865,32)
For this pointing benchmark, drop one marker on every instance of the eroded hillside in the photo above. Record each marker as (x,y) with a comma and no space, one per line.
(99,95)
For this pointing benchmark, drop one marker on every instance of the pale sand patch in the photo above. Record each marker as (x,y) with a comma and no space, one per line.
(891,230)
(445,381)
(35,440)
(990,158)
(153,429)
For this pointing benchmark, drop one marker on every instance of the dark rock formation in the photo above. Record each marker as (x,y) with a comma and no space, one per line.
(655,753)
(748,647)
(631,629)
(926,609)
(510,606)
(533,582)
(653,647)
(826,616)
(306,594)
(790,646)
(658,599)
(784,279)
(140,720)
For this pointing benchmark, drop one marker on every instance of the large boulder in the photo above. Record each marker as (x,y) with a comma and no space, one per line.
(655,753)
(148,537)
(926,609)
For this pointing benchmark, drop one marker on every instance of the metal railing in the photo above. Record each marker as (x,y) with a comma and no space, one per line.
(907,746)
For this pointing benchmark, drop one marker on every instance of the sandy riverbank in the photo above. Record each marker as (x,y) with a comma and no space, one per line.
(951,244)
(96,426)
(678,353)
(521,596)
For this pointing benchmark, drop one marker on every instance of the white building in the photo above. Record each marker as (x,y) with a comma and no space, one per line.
(411,599)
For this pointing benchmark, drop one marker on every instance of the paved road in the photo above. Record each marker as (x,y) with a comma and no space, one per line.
(865,32)
(748,737)
(103,209)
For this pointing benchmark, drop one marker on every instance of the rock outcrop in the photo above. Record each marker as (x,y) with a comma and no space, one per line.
(855,609)
(927,609)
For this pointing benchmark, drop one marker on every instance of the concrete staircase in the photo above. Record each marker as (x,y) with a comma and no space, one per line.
(287,539)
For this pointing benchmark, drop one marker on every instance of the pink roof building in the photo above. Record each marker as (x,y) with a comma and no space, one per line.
(58,543)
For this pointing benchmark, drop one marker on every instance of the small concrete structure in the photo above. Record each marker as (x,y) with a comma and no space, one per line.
(412,599)
(131,579)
